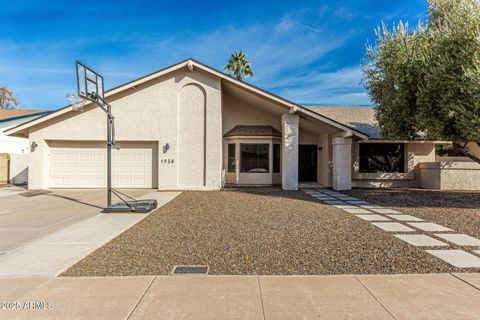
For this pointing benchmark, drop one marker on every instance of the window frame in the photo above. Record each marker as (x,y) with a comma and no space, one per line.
(364,158)
(233,168)
(254,144)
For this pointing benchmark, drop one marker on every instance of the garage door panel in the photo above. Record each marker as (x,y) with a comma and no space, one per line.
(70,156)
(83,167)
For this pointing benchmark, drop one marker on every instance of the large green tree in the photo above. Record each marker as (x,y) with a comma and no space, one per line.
(7,99)
(238,65)
(425,81)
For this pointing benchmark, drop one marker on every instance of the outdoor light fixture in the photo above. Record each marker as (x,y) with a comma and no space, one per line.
(166,147)
(33,146)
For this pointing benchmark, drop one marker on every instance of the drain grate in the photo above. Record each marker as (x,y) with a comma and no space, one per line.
(190,270)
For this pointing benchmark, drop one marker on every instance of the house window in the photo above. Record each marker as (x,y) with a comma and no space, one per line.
(254,158)
(231,157)
(276,158)
(382,157)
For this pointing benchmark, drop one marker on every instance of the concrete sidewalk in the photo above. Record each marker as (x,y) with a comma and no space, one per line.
(53,253)
(428,296)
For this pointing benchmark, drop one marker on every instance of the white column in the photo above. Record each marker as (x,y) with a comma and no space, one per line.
(290,151)
(342,163)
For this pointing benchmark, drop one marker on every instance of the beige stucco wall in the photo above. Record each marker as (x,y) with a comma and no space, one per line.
(422,152)
(18,173)
(450,175)
(415,153)
(237,112)
(307,137)
(172,109)
(324,169)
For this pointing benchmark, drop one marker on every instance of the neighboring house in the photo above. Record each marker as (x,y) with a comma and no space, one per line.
(190,126)
(14,150)
(12,118)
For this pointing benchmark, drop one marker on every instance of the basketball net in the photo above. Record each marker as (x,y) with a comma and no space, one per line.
(77,103)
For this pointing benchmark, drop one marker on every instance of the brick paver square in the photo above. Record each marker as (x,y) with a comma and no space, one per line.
(428,226)
(333,202)
(392,227)
(358,210)
(404,217)
(457,258)
(357,202)
(345,206)
(372,217)
(386,211)
(420,240)
(460,239)
(371,206)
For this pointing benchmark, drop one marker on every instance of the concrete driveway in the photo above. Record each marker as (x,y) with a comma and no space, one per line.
(44,232)
(26,216)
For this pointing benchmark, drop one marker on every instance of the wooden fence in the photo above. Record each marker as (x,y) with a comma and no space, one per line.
(4,165)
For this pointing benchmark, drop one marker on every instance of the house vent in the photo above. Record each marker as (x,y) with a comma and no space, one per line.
(190,270)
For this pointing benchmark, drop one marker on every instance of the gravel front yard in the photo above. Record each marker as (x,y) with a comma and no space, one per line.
(259,231)
(457,210)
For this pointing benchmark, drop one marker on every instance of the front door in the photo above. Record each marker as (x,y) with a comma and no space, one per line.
(307,163)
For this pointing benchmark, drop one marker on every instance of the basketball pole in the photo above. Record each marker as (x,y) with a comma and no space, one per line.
(109,155)
(90,88)
(108,110)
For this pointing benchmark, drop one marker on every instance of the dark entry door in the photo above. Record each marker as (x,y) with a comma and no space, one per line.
(307,163)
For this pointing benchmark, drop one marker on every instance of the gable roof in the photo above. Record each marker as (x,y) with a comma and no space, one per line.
(193,64)
(360,118)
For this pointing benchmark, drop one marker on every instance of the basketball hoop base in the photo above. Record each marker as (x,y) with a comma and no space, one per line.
(139,206)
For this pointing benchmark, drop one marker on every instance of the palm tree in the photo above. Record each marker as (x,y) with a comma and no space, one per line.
(239,65)
(7,99)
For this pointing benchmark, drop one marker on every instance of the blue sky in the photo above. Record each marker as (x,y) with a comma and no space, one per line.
(306,51)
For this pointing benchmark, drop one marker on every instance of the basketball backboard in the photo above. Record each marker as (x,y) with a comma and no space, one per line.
(90,83)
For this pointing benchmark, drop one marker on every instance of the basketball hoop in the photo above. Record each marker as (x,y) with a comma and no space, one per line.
(90,88)
(77,102)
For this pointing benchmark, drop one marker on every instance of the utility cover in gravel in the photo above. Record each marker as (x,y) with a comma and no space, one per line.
(255,231)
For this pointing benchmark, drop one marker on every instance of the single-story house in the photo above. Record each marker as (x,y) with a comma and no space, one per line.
(190,126)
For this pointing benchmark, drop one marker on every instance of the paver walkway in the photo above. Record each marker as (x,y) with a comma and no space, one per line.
(427,296)
(53,253)
(413,230)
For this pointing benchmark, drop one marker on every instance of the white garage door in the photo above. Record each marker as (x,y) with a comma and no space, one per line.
(83,165)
